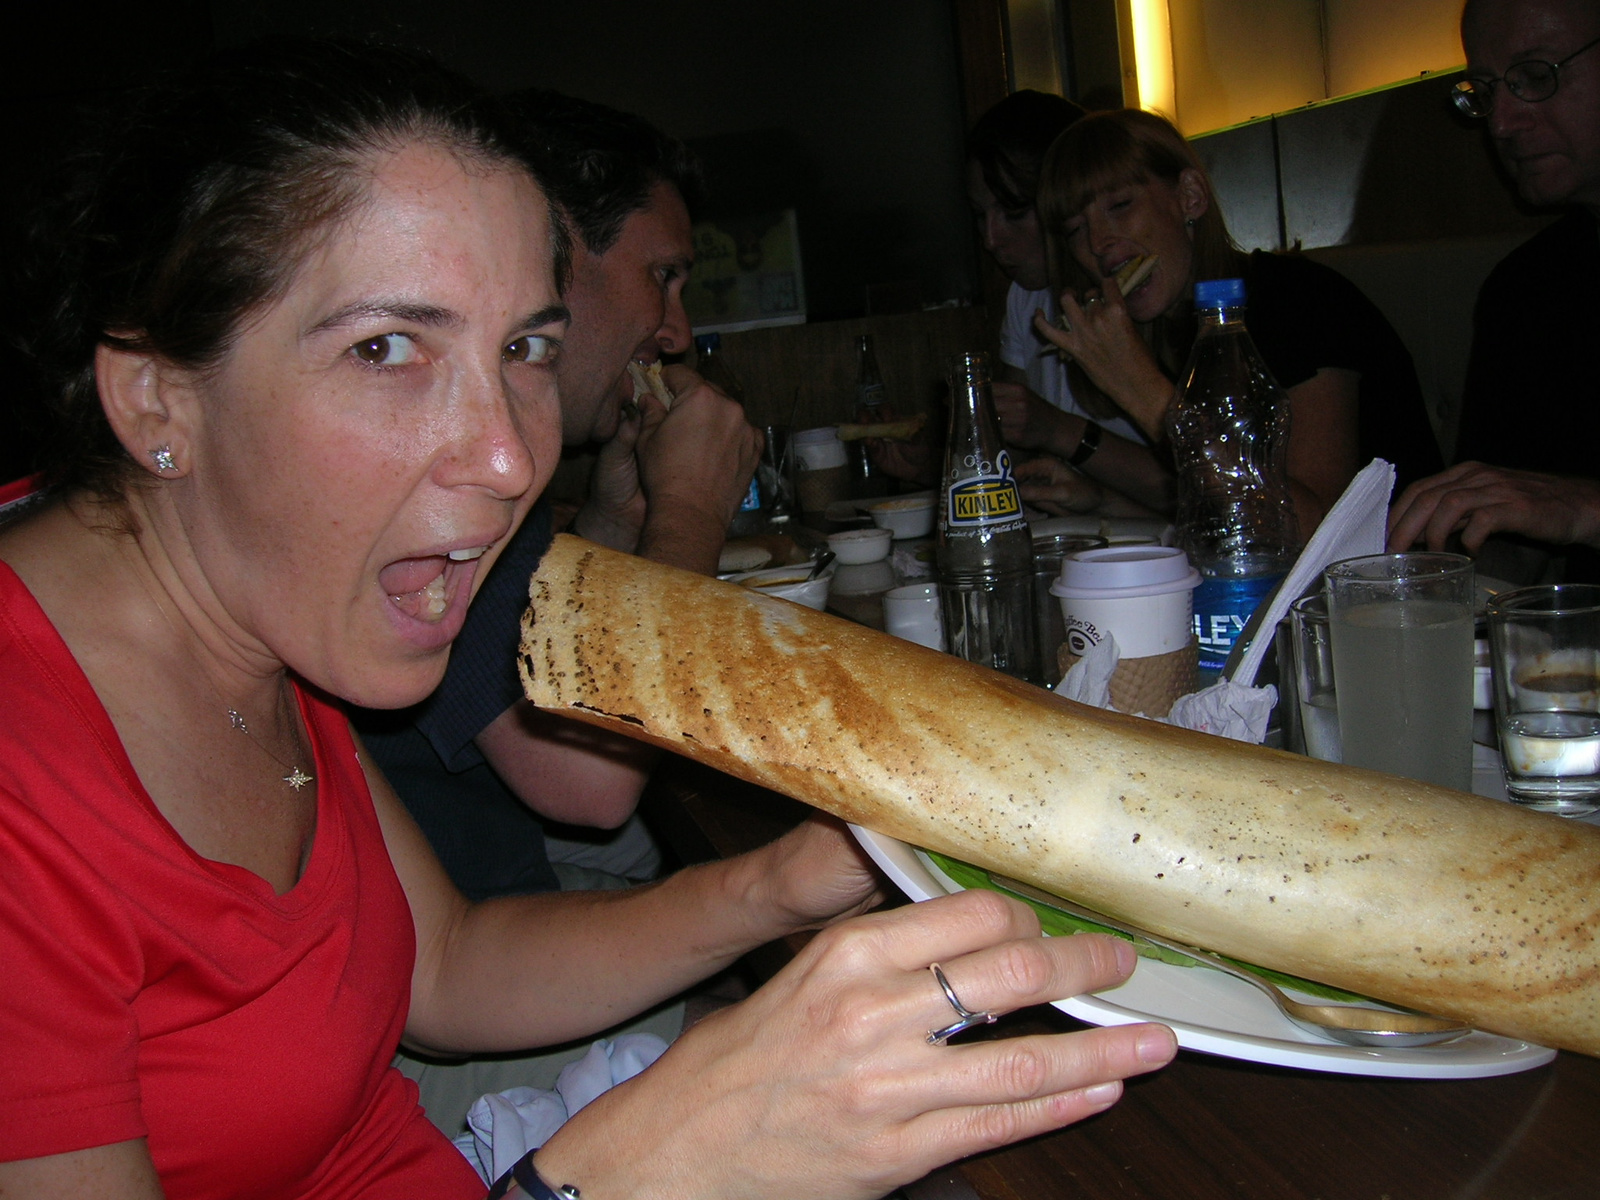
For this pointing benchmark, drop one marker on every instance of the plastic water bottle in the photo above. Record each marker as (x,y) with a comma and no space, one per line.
(1229,432)
(985,555)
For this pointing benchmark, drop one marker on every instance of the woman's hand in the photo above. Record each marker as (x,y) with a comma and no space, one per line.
(1103,339)
(823,1084)
(1477,501)
(1052,486)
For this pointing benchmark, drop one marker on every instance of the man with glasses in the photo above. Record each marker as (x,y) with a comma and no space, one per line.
(1532,395)
(1532,78)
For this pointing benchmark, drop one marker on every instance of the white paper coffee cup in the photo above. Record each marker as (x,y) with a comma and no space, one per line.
(1142,595)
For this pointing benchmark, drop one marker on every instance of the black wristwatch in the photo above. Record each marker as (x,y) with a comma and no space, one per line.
(1087,445)
(525,1176)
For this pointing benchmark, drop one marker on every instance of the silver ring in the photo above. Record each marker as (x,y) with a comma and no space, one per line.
(1092,301)
(938,1037)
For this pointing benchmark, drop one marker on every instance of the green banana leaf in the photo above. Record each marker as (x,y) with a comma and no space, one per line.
(1058,923)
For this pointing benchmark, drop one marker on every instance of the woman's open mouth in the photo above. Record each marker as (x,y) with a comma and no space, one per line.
(432,588)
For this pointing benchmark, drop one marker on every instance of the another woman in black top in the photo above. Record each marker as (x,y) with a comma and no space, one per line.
(1125,184)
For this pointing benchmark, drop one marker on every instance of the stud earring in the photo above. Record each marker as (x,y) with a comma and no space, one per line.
(1188,223)
(163,459)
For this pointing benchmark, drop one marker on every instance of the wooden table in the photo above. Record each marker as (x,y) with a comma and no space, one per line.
(1211,1128)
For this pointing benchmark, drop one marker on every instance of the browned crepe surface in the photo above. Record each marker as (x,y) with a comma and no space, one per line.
(1449,903)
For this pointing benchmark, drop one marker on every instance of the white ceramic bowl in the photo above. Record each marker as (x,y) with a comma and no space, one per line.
(904,516)
(856,546)
(789,583)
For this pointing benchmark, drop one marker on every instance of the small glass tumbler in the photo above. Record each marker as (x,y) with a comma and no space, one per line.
(1545,653)
(1313,668)
(777,474)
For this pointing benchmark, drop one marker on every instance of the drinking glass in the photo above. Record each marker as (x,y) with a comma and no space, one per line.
(912,612)
(1401,626)
(1545,651)
(1313,680)
(776,473)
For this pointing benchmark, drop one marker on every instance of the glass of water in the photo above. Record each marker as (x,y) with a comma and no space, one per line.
(1545,650)
(1314,687)
(1402,657)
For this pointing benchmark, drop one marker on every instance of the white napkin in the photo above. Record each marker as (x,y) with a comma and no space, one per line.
(1226,709)
(1088,681)
(504,1126)
(1357,524)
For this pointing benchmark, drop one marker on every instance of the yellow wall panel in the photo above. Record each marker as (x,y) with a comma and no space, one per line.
(1374,42)
(1237,59)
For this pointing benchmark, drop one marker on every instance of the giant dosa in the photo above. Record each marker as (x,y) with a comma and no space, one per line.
(1414,894)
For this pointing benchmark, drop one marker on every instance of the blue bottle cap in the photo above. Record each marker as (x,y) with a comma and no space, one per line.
(1219,293)
(708,343)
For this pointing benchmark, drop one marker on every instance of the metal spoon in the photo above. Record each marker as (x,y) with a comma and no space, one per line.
(821,565)
(1351,1024)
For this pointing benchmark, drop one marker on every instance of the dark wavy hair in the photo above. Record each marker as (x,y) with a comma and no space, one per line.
(194,206)
(1008,143)
(599,165)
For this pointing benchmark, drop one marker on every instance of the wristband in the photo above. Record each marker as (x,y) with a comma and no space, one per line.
(1087,445)
(525,1176)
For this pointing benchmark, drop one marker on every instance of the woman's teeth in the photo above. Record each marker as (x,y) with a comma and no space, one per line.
(421,587)
(434,598)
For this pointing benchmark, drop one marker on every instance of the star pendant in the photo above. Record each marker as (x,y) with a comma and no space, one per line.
(297,779)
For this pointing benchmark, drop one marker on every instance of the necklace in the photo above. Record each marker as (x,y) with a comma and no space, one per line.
(296,778)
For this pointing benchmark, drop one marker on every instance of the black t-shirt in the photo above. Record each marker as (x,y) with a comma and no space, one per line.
(489,842)
(1532,396)
(1303,317)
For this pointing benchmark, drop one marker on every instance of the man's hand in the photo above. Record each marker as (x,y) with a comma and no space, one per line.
(1476,501)
(694,465)
(614,513)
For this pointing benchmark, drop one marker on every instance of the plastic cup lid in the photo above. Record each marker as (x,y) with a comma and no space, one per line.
(1117,571)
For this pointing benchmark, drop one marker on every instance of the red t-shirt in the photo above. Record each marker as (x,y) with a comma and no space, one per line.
(149,992)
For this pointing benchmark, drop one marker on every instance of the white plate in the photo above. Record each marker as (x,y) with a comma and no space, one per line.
(1215,1014)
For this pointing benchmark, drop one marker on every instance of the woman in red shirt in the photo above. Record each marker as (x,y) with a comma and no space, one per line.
(302,378)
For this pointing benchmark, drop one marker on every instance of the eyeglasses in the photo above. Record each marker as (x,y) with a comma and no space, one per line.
(1530,81)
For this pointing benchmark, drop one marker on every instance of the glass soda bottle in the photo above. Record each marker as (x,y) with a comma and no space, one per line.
(714,369)
(1229,432)
(866,479)
(985,553)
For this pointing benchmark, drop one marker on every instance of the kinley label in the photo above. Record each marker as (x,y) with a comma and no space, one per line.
(988,498)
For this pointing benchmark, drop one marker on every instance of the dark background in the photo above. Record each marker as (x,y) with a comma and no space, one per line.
(848,110)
